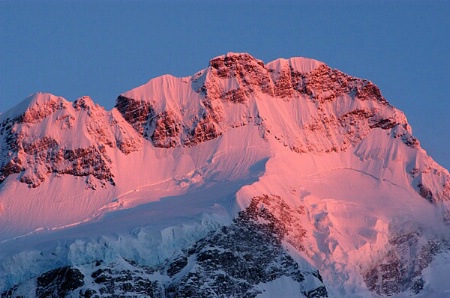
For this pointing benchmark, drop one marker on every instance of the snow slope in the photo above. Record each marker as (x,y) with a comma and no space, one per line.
(322,155)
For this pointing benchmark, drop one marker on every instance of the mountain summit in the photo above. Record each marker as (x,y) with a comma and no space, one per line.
(245,179)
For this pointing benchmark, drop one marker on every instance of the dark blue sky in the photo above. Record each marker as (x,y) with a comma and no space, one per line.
(104,48)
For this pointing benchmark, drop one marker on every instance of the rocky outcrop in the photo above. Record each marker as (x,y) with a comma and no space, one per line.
(237,258)
(137,113)
(42,141)
(40,110)
(250,74)
(230,262)
(400,268)
(238,79)
(300,103)
(172,112)
(167,130)
(204,129)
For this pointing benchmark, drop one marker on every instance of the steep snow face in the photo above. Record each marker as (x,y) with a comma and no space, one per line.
(366,228)
(296,64)
(305,105)
(52,136)
(143,176)
(308,151)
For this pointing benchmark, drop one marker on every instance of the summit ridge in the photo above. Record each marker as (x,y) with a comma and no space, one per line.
(160,195)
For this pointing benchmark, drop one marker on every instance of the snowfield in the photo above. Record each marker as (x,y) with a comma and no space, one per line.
(314,160)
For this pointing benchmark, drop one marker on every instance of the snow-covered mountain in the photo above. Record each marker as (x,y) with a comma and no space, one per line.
(246,180)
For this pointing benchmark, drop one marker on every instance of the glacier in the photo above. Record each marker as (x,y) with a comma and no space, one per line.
(318,156)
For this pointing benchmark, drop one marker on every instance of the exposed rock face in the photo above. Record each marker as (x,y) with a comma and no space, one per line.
(137,113)
(59,282)
(401,268)
(230,262)
(284,219)
(205,129)
(167,130)
(250,74)
(124,282)
(240,78)
(56,283)
(295,104)
(325,84)
(54,137)
(235,259)
(36,112)
(173,112)
(326,87)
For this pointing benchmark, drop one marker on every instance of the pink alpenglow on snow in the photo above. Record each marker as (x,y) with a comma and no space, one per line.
(285,178)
